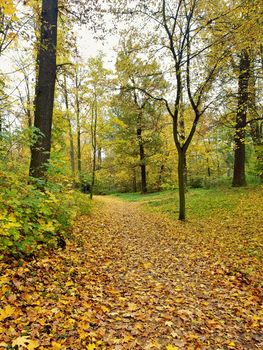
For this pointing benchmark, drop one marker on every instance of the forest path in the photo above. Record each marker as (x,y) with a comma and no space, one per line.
(160,284)
(132,279)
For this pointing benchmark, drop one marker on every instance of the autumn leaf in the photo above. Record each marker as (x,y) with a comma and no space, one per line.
(6,312)
(8,7)
(21,341)
(127,338)
(231,345)
(91,347)
(171,347)
(147,265)
(132,307)
(73,301)
(33,344)
(56,346)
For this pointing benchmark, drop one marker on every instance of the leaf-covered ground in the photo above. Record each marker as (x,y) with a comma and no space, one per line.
(133,279)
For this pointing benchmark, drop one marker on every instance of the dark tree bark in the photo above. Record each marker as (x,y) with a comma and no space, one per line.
(182,139)
(94,120)
(134,180)
(45,87)
(140,141)
(208,168)
(239,176)
(181,183)
(77,84)
(99,162)
(160,177)
(142,161)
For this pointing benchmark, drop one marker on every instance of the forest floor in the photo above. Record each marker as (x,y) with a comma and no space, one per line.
(134,279)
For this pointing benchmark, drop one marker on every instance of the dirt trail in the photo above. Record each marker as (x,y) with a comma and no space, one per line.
(160,286)
(133,280)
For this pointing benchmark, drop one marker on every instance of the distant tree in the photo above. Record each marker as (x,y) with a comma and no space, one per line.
(180,31)
(138,111)
(95,96)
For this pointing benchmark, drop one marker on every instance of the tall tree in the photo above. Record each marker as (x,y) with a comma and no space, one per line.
(140,113)
(182,31)
(45,87)
(93,130)
(247,21)
(94,95)
(239,178)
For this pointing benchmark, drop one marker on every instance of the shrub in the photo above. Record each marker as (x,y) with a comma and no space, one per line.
(30,219)
(196,182)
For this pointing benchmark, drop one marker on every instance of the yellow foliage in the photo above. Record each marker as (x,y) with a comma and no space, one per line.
(6,312)
(171,347)
(8,7)
(91,347)
(56,346)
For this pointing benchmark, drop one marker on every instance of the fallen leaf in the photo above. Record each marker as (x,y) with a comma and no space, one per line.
(6,312)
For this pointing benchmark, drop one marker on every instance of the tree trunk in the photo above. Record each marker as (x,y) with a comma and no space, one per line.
(160,177)
(94,144)
(45,87)
(99,159)
(72,152)
(134,180)
(239,177)
(142,161)
(182,137)
(208,168)
(78,126)
(181,183)
(71,140)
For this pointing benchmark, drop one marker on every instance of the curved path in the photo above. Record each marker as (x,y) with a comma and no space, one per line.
(134,280)
(160,285)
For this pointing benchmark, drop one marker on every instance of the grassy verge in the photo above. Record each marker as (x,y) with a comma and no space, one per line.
(200,203)
(225,223)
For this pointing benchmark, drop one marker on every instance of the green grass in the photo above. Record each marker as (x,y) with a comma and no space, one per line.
(200,203)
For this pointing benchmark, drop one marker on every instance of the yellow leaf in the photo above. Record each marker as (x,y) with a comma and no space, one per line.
(155,344)
(4,280)
(127,339)
(56,346)
(179,300)
(49,227)
(91,347)
(132,307)
(69,284)
(21,341)
(147,265)
(6,312)
(171,347)
(138,326)
(33,344)
(12,224)
(105,308)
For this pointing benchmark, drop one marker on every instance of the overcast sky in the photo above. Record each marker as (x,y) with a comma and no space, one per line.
(89,47)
